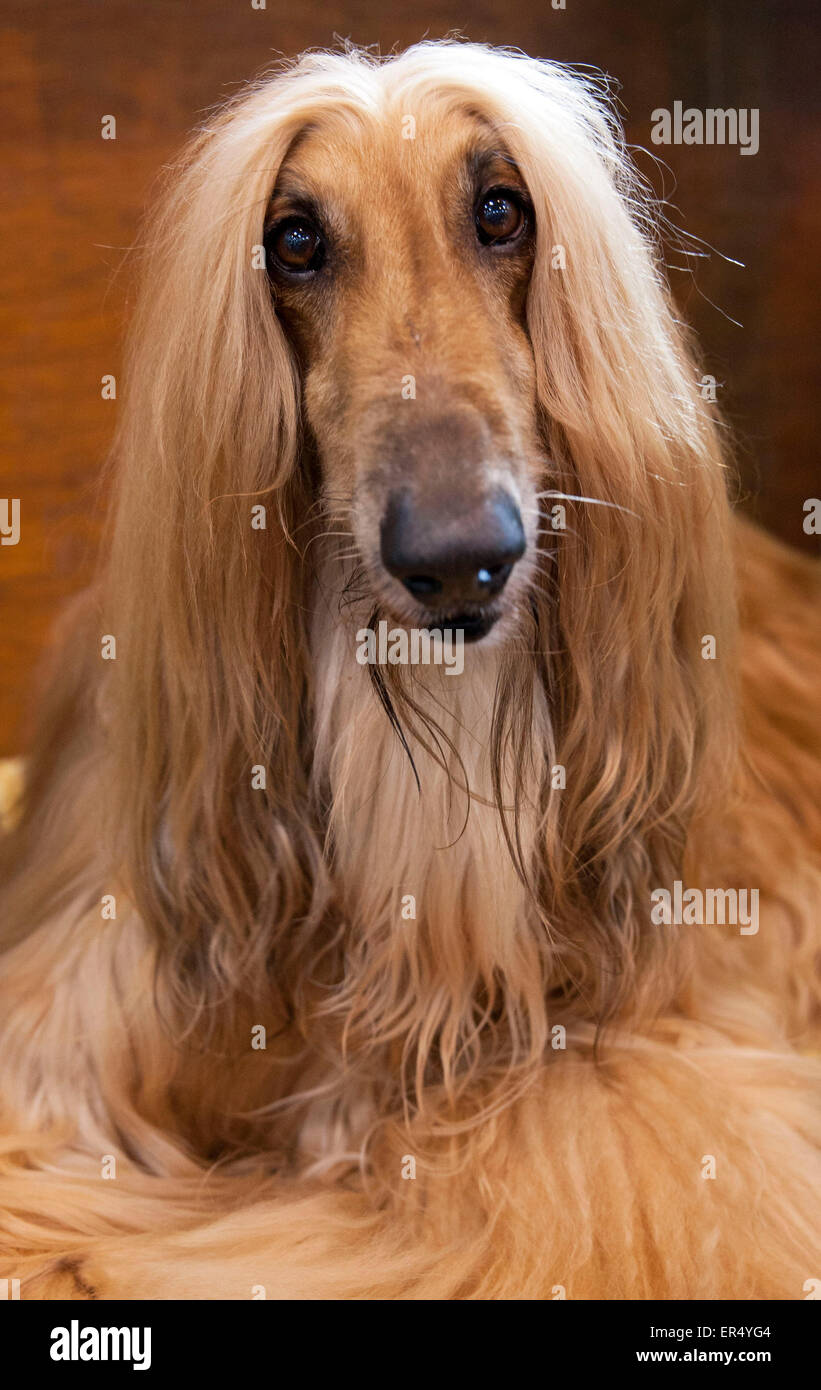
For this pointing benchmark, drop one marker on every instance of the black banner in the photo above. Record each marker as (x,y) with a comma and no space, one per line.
(58,1340)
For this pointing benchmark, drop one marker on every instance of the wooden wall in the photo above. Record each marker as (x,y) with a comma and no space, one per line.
(73,202)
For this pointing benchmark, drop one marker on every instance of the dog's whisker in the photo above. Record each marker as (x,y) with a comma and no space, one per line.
(592,501)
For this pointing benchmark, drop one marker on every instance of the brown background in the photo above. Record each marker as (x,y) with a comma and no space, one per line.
(73,204)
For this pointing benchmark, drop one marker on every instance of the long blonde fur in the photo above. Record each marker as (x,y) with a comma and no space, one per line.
(435,1037)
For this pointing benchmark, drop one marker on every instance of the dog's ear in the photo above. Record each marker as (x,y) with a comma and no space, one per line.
(207,695)
(641,618)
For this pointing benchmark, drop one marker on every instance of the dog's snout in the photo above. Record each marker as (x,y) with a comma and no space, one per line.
(454,554)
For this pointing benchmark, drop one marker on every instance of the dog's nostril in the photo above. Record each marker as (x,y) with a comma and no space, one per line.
(422,585)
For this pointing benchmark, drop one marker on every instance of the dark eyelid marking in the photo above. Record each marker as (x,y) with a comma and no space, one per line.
(492,168)
(292,200)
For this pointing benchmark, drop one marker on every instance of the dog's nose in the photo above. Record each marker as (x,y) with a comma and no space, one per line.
(455,554)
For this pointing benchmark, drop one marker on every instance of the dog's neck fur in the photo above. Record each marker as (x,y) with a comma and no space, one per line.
(389,836)
(433,904)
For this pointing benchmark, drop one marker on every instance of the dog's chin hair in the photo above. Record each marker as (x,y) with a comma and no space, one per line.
(412,775)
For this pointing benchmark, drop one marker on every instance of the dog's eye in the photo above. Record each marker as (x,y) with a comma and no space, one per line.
(295,246)
(500,216)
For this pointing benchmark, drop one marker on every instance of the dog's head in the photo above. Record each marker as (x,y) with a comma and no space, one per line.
(418,296)
(400,248)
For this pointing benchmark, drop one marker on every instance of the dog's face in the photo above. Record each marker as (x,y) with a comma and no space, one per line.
(400,269)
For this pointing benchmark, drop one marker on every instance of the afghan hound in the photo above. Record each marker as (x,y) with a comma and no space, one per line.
(336,967)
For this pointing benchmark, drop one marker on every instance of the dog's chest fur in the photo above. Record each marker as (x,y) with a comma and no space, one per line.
(404,852)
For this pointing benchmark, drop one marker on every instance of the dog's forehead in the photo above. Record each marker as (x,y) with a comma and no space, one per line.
(411,153)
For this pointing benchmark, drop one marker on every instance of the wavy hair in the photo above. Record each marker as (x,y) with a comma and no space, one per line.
(251,899)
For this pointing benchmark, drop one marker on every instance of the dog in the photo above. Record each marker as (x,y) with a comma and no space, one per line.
(344,976)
